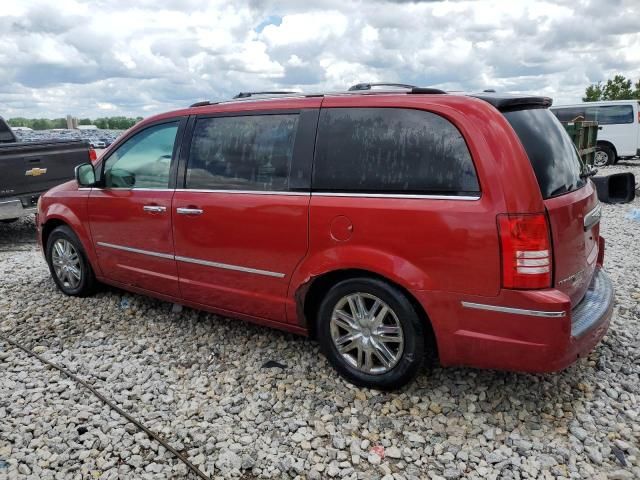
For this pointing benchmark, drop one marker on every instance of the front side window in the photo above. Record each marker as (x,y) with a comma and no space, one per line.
(391,150)
(611,114)
(144,160)
(242,153)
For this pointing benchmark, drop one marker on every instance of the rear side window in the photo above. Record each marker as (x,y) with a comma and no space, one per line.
(242,153)
(552,154)
(6,135)
(569,114)
(611,114)
(391,150)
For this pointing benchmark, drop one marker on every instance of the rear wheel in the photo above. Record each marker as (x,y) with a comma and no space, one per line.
(371,334)
(604,156)
(68,263)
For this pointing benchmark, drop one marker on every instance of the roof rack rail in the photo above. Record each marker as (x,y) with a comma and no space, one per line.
(276,92)
(412,88)
(202,104)
(369,86)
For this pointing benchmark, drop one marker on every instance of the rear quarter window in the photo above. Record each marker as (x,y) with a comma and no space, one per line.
(391,150)
(551,152)
(611,114)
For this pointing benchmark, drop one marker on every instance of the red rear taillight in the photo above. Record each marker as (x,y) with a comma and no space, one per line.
(526,251)
(93,156)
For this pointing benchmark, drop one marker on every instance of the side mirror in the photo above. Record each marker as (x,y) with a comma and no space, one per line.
(85,175)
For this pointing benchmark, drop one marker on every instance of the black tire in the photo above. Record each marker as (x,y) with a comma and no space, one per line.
(87,282)
(413,352)
(609,152)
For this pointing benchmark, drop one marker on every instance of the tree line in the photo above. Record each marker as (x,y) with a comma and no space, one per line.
(616,88)
(107,123)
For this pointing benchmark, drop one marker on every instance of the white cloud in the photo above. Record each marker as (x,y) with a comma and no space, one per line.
(97,57)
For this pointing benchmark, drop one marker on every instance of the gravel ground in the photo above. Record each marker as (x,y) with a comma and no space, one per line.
(199,381)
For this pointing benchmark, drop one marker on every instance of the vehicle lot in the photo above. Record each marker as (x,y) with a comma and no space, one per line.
(199,381)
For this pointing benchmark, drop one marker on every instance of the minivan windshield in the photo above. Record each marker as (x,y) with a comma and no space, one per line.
(554,158)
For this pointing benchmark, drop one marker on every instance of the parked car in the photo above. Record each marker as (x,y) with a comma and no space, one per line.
(28,169)
(98,144)
(389,225)
(619,122)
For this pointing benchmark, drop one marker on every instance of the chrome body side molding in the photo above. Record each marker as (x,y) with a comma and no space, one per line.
(516,311)
(206,263)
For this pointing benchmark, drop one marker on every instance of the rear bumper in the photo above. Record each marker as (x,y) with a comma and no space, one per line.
(14,208)
(530,331)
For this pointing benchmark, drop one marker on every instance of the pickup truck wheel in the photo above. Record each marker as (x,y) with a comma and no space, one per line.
(371,333)
(604,156)
(68,263)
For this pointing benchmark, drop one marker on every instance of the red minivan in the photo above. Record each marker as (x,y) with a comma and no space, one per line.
(390,224)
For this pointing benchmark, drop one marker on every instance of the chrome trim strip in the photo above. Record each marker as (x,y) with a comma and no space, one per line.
(593,217)
(516,311)
(318,194)
(226,266)
(395,195)
(246,192)
(196,261)
(168,256)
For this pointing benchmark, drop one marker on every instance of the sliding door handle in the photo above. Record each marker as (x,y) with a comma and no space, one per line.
(189,211)
(154,208)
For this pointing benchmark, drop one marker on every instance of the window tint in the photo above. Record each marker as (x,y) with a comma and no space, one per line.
(569,114)
(611,114)
(144,160)
(552,154)
(242,153)
(391,150)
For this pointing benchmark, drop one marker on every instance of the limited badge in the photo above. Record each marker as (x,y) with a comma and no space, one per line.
(35,172)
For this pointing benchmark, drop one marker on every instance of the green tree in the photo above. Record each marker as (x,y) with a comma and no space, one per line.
(115,123)
(616,88)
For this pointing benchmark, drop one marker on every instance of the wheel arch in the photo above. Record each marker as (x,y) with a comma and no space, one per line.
(310,295)
(608,144)
(66,217)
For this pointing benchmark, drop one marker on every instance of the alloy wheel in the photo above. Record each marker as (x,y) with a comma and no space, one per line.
(600,159)
(367,333)
(66,263)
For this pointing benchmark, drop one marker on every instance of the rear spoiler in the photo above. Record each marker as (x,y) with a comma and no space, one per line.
(504,102)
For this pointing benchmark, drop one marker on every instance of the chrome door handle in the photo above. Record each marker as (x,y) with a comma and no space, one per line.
(154,208)
(189,211)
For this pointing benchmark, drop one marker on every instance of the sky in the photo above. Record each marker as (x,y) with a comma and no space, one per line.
(100,58)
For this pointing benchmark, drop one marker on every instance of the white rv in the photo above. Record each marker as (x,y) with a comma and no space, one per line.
(619,121)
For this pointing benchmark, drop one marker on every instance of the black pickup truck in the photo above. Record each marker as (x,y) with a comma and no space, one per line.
(28,169)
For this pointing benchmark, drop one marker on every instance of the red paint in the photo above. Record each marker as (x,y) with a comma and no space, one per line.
(442,251)
(264,232)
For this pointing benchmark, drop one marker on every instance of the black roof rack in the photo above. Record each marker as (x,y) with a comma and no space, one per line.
(369,86)
(276,92)
(202,104)
(358,87)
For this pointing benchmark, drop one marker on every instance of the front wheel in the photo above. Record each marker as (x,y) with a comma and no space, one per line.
(371,333)
(604,156)
(68,263)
